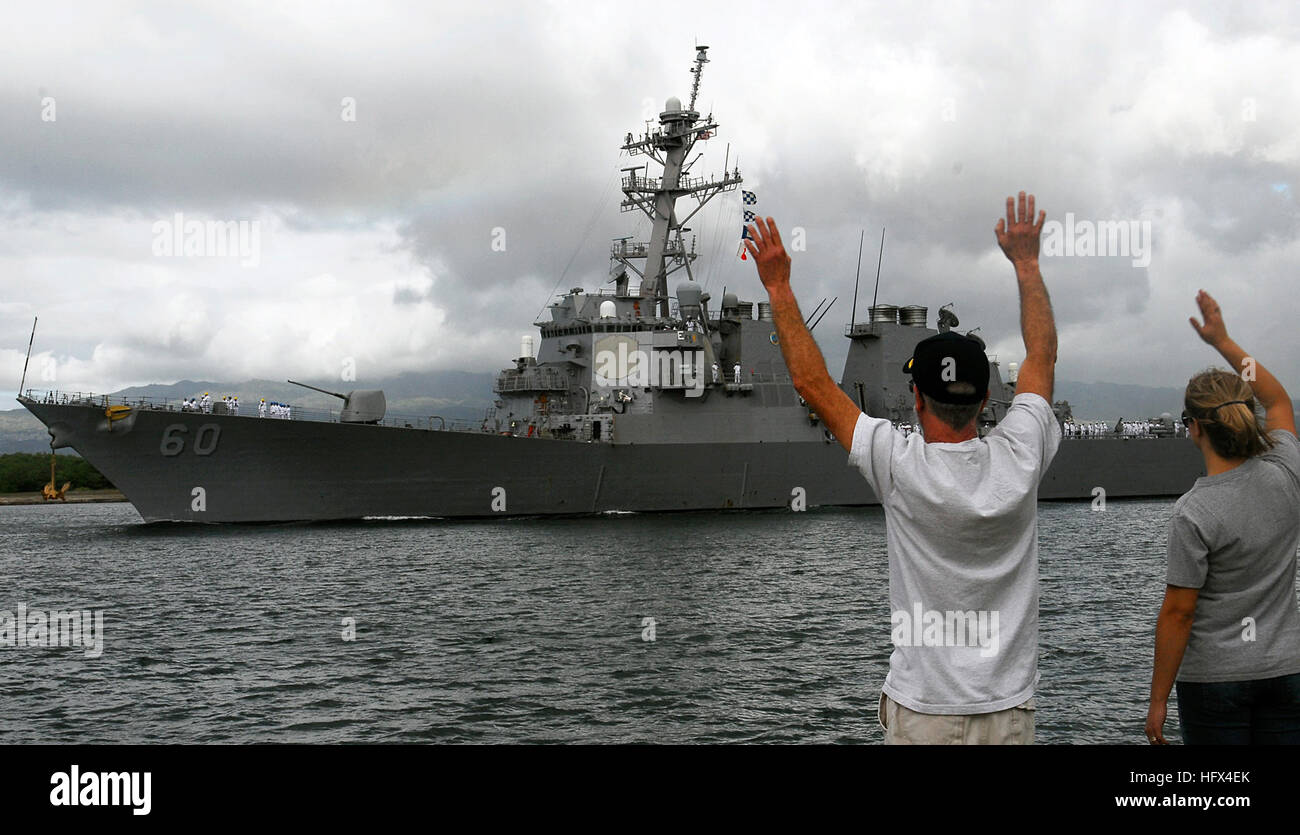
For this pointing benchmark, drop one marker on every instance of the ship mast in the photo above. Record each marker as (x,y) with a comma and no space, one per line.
(668,145)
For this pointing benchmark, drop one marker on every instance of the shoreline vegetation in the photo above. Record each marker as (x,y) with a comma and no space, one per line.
(74,496)
(23,474)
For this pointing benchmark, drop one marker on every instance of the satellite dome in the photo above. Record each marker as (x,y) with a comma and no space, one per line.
(674,105)
(608,310)
(688,294)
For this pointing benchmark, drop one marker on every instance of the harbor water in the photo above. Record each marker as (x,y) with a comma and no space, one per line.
(767,627)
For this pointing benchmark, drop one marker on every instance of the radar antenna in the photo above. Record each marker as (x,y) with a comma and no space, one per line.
(947,319)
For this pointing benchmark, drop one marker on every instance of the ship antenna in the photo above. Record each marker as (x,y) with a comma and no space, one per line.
(701,58)
(814,313)
(824,312)
(23,382)
(879,261)
(853,316)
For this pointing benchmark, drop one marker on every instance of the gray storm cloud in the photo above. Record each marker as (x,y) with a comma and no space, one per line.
(480,172)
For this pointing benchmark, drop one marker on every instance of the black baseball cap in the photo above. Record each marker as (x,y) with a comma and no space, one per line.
(948,358)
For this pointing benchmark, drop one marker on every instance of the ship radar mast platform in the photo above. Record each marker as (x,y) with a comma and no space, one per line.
(668,146)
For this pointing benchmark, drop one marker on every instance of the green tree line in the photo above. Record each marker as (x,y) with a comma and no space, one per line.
(22,472)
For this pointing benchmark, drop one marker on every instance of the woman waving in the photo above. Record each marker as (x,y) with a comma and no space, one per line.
(1229,628)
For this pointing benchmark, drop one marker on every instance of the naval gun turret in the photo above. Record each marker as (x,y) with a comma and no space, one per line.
(361,406)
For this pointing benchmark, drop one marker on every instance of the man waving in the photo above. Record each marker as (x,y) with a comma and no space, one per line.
(960,510)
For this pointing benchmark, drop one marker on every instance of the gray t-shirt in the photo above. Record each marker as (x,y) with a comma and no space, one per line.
(1234,537)
(962,534)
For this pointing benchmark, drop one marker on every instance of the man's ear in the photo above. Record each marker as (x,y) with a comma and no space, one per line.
(920,401)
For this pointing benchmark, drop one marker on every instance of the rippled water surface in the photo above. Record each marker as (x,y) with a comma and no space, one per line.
(770,627)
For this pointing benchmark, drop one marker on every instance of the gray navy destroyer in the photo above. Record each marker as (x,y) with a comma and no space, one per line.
(636,399)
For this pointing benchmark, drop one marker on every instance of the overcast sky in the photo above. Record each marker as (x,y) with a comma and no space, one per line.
(501,122)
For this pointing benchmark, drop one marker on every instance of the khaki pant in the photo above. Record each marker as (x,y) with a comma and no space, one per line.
(903,726)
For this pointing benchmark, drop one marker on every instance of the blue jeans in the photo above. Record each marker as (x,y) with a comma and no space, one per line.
(1262,711)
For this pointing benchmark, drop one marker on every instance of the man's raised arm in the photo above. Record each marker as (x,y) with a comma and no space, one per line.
(1018,236)
(802,356)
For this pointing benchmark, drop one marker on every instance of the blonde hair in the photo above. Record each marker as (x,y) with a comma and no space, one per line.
(1232,427)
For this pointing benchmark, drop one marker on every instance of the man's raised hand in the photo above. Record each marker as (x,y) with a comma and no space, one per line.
(764,243)
(1214,332)
(1018,234)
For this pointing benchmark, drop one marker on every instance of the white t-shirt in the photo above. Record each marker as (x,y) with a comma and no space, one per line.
(962,533)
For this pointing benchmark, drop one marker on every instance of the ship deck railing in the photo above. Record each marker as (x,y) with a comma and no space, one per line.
(639,249)
(424,422)
(249,410)
(533,380)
